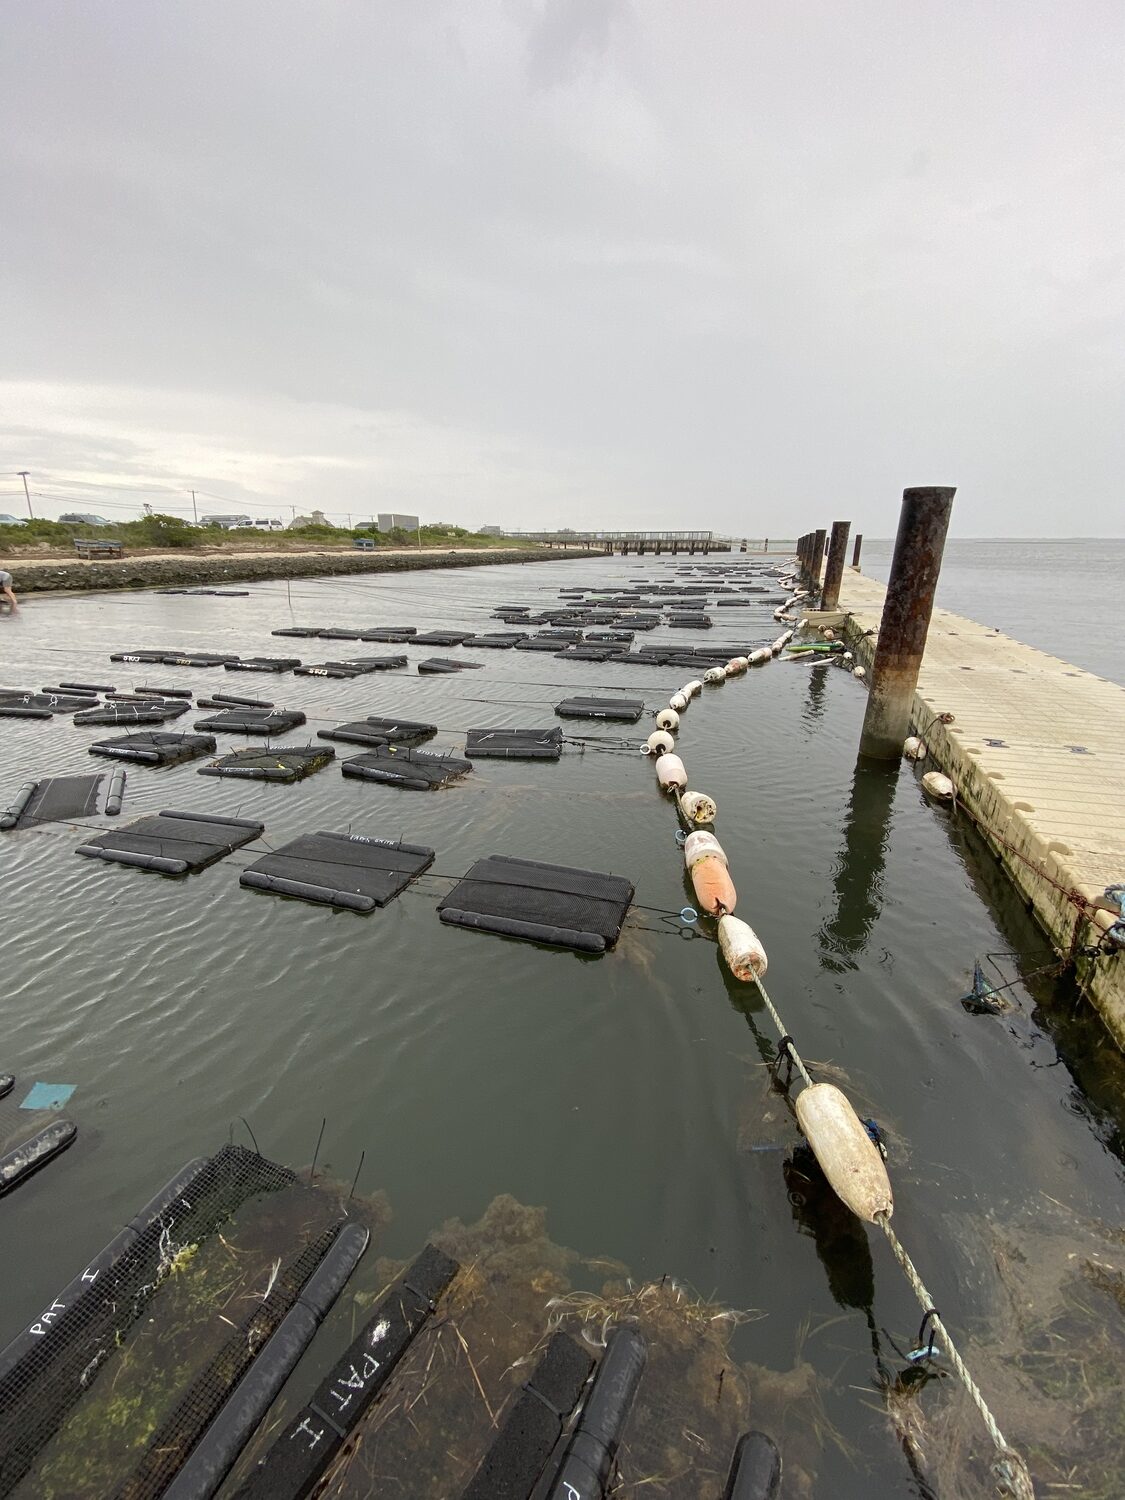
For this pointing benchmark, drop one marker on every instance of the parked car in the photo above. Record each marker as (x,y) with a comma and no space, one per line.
(11,521)
(228,523)
(75,518)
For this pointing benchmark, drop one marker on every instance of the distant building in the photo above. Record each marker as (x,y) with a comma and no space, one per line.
(492,531)
(389,521)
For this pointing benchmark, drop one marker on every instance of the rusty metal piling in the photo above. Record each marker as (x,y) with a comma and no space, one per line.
(834,569)
(923,523)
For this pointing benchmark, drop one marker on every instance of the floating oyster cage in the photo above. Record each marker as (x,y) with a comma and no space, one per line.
(216,1285)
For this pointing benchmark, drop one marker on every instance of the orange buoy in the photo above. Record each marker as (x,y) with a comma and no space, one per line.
(714,889)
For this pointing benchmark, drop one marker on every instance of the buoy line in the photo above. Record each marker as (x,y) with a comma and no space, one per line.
(848,1156)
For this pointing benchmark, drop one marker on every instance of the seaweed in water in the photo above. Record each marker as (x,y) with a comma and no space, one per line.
(441,1411)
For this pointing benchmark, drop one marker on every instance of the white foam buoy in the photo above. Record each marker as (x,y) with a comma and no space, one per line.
(668,718)
(693,688)
(702,845)
(914,748)
(737,664)
(938,786)
(714,675)
(678,702)
(847,1155)
(659,742)
(828,633)
(860,672)
(671,772)
(699,807)
(847,656)
(742,949)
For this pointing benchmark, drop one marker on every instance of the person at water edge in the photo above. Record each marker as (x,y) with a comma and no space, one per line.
(6,592)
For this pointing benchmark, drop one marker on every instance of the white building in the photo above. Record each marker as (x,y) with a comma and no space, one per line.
(389,520)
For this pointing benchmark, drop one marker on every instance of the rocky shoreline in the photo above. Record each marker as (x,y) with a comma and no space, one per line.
(192,571)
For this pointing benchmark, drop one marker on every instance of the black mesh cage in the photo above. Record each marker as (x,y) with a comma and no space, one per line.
(117,1301)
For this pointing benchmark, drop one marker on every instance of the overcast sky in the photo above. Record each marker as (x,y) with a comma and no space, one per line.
(747,264)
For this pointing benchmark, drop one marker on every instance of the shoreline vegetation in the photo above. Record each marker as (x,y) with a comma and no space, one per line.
(164,551)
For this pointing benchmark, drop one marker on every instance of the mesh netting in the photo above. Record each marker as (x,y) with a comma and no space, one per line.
(172,842)
(155,748)
(546,903)
(420,770)
(270,765)
(139,1353)
(177,1435)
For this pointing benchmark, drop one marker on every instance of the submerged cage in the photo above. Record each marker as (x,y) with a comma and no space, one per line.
(111,1388)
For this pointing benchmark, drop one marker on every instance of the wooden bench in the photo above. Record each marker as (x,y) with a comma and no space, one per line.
(85,547)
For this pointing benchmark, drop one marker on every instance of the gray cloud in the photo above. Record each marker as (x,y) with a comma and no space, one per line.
(589,262)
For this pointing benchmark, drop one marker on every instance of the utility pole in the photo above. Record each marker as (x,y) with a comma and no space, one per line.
(194,511)
(23,473)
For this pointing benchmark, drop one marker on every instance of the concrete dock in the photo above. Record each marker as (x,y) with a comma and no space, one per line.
(1036,751)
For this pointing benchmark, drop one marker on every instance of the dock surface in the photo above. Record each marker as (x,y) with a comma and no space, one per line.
(1036,751)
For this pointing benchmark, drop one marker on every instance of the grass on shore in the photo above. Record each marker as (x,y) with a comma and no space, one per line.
(167,533)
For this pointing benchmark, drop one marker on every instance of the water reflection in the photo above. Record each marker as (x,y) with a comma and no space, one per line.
(858,879)
(814,699)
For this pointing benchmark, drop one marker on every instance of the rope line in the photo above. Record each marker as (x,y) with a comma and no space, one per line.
(1010,1467)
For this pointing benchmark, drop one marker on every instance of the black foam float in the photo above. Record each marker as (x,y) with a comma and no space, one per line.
(284,765)
(344,870)
(172,843)
(514,744)
(152,748)
(395,765)
(252,721)
(621,710)
(543,903)
(377,731)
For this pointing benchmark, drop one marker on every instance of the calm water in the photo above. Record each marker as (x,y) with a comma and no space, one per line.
(1061,596)
(626,1093)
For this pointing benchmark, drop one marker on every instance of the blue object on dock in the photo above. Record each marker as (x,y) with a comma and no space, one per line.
(48,1095)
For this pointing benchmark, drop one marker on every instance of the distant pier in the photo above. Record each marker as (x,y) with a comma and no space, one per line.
(639,542)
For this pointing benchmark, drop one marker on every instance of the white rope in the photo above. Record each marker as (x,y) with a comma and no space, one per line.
(781,1031)
(1011,1468)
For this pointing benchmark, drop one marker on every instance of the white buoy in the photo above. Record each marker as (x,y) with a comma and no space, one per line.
(847,1155)
(847,656)
(742,949)
(659,743)
(736,665)
(693,688)
(678,702)
(779,612)
(828,634)
(668,718)
(714,675)
(914,748)
(762,654)
(702,845)
(699,807)
(671,773)
(938,786)
(860,672)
